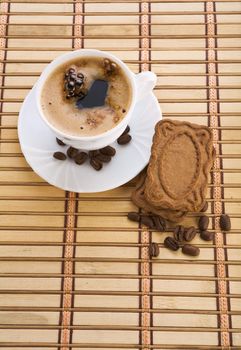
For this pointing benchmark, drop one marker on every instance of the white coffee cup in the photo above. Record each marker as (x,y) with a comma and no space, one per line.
(141,85)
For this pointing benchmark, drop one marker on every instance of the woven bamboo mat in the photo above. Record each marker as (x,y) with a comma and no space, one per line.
(74,272)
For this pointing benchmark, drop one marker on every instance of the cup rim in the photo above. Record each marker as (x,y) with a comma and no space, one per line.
(58,61)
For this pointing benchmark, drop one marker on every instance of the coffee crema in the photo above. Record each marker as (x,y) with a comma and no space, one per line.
(80,111)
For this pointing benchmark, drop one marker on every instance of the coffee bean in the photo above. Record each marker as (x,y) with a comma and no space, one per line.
(225,222)
(113,66)
(205,207)
(179,233)
(96,164)
(157,223)
(147,221)
(154,250)
(124,139)
(103,158)
(160,223)
(71,78)
(190,249)
(133,216)
(203,223)
(171,243)
(80,158)
(93,154)
(59,155)
(71,70)
(79,82)
(107,66)
(59,142)
(207,235)
(108,150)
(127,129)
(190,233)
(71,85)
(106,62)
(72,152)
(163,223)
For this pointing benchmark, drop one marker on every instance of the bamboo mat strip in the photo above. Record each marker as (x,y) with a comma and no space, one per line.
(66,317)
(74,273)
(109,1)
(118,13)
(115,1)
(145,236)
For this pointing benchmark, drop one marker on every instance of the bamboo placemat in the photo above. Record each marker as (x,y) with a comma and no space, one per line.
(74,272)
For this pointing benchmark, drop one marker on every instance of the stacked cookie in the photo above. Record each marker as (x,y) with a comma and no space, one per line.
(176,179)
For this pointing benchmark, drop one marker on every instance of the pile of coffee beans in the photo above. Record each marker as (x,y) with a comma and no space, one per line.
(181,235)
(73,84)
(154,222)
(181,238)
(103,155)
(97,157)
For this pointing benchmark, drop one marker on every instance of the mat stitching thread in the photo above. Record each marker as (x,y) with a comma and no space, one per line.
(217,194)
(68,270)
(145,266)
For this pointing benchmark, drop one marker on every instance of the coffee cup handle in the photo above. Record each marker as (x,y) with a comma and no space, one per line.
(145,82)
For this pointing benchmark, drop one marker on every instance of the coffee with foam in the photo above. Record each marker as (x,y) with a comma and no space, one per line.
(86,96)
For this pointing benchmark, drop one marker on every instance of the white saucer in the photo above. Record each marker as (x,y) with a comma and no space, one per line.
(38,145)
